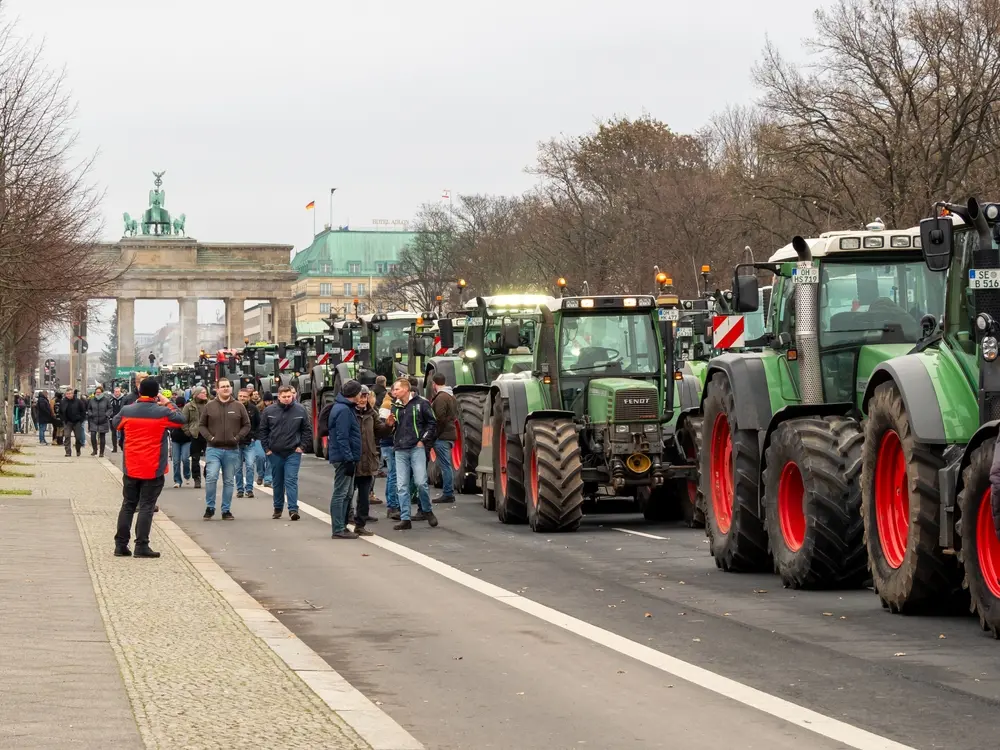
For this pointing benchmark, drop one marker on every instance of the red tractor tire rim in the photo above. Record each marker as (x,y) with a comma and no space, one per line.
(791,506)
(534,478)
(502,468)
(692,492)
(988,546)
(892,499)
(456,448)
(721,462)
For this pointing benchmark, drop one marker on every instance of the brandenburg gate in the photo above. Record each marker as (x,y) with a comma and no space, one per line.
(159,261)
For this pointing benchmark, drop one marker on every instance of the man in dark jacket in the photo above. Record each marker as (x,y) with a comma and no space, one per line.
(446,415)
(344,452)
(414,430)
(98,419)
(74,414)
(116,402)
(248,448)
(224,423)
(145,423)
(285,433)
(44,415)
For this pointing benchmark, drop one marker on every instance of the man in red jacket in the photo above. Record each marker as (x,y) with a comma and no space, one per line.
(145,423)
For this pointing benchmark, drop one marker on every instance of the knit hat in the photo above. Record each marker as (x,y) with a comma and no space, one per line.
(351,389)
(267,396)
(149,388)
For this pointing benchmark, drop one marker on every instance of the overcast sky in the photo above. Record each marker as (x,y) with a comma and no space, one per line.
(255,108)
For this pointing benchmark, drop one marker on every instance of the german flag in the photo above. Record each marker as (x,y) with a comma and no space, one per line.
(310,205)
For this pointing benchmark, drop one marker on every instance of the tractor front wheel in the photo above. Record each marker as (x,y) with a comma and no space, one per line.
(471,406)
(555,475)
(812,503)
(900,506)
(727,490)
(980,553)
(687,489)
(508,468)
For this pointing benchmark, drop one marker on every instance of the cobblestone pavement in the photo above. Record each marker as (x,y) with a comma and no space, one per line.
(195,674)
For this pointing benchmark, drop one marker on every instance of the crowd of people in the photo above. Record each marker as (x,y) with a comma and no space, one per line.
(253,437)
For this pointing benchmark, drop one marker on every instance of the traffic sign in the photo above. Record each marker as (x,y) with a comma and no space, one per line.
(80,346)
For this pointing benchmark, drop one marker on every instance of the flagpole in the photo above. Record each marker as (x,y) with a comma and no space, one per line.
(332,191)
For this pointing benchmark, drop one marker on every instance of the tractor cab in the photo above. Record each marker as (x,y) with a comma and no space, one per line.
(229,364)
(259,364)
(500,333)
(388,338)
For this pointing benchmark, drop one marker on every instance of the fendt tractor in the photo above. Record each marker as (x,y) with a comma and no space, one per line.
(780,474)
(339,354)
(933,419)
(499,336)
(585,423)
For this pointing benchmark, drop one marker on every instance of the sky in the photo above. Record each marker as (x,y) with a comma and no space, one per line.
(255,108)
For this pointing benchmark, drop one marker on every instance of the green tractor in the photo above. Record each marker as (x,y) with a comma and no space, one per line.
(780,474)
(585,423)
(339,354)
(499,333)
(933,417)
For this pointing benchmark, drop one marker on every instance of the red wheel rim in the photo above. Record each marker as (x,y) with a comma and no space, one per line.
(892,499)
(721,462)
(456,448)
(988,546)
(791,510)
(315,426)
(534,478)
(692,492)
(502,468)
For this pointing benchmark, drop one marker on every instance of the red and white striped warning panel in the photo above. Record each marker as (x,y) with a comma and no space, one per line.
(322,359)
(349,355)
(728,331)
(283,364)
(438,349)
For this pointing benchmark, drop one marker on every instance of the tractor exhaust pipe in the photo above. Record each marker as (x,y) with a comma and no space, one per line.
(807,332)
(982,226)
(547,356)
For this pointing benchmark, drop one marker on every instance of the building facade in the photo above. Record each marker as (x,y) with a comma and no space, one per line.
(258,323)
(342,265)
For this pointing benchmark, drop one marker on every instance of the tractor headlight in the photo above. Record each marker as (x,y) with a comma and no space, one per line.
(990,348)
(471,353)
(649,428)
(984,322)
(621,428)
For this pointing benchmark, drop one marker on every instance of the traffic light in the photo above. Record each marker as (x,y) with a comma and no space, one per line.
(76,329)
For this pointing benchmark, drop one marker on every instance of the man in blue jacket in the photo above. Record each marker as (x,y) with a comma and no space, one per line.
(414,428)
(344,452)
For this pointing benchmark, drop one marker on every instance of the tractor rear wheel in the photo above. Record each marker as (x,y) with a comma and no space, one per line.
(508,468)
(471,406)
(690,439)
(812,503)
(728,485)
(980,552)
(555,475)
(900,506)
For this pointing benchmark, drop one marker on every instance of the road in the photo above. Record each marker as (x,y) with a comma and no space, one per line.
(623,634)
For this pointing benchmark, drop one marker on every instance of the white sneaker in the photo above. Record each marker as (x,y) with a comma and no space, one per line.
(177,485)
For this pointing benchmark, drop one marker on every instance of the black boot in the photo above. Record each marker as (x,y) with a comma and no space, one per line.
(403,525)
(122,550)
(143,550)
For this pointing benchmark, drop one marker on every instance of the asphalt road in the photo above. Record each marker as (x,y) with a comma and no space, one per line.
(462,669)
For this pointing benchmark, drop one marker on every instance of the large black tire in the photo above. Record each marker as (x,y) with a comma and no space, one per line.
(471,408)
(508,476)
(690,438)
(910,571)
(980,550)
(434,473)
(812,503)
(555,475)
(736,534)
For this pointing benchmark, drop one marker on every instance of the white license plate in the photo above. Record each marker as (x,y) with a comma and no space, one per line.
(984,278)
(670,314)
(682,332)
(805,273)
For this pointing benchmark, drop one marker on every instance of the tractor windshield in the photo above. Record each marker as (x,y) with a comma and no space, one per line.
(494,335)
(608,344)
(393,336)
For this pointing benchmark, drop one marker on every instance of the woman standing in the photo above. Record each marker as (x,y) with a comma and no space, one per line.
(98,420)
(44,415)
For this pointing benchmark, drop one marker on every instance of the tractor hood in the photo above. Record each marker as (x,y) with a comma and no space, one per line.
(623,400)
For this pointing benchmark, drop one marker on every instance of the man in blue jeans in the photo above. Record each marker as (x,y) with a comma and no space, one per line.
(446,415)
(263,463)
(248,448)
(414,430)
(224,423)
(344,452)
(285,433)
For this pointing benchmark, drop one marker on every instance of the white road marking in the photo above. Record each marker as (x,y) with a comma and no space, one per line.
(806,718)
(640,533)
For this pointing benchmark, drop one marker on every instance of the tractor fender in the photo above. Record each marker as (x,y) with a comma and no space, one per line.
(748,380)
(917,389)
(550,414)
(346,371)
(688,393)
(515,393)
(471,388)
(793,411)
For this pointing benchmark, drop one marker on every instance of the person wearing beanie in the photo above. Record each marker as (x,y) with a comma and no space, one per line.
(285,434)
(344,452)
(145,423)
(192,421)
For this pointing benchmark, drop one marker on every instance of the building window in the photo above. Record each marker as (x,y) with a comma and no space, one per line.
(347,289)
(354,268)
(392,267)
(269,317)
(326,290)
(362,308)
(326,268)
(324,308)
(361,290)
(380,267)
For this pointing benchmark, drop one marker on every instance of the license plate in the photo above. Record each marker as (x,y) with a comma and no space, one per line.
(685,356)
(670,314)
(805,273)
(683,332)
(984,278)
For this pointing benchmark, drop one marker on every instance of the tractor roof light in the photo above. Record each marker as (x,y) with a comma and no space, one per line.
(586,303)
(661,278)
(706,269)
(873,243)
(561,282)
(461,283)
(630,302)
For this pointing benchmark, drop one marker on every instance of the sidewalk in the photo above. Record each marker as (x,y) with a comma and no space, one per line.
(200,662)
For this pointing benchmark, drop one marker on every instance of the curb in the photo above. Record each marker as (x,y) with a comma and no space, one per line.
(373,724)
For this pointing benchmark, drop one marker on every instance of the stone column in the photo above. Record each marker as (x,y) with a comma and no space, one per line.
(234,322)
(126,332)
(189,328)
(281,311)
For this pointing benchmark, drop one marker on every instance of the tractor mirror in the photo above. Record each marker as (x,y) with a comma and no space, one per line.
(418,347)
(745,290)
(261,357)
(281,351)
(446,331)
(936,242)
(320,345)
(511,336)
(346,340)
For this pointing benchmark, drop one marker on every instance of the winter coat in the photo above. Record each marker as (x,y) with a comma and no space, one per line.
(57,419)
(192,417)
(254,414)
(74,409)
(224,423)
(414,423)
(372,429)
(117,402)
(283,428)
(145,423)
(446,414)
(99,414)
(343,432)
(44,410)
